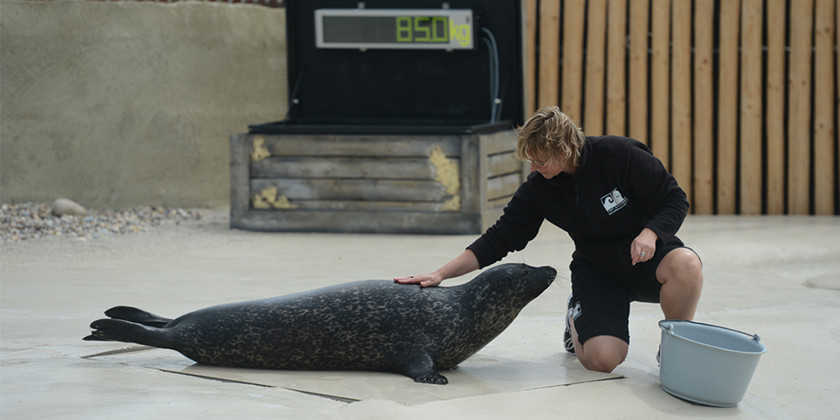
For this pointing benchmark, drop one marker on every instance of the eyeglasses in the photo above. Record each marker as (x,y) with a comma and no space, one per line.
(540,163)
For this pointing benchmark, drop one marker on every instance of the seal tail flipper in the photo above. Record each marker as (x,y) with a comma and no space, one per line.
(129,332)
(139,316)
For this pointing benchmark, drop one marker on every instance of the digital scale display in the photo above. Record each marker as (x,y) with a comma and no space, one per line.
(444,29)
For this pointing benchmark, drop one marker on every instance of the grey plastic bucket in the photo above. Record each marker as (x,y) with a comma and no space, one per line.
(707,364)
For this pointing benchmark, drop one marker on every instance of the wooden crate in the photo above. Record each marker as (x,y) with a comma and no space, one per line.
(434,184)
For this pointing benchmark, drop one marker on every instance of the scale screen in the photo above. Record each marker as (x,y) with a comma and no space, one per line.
(444,29)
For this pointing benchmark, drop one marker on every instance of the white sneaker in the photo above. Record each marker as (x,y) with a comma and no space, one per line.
(573,311)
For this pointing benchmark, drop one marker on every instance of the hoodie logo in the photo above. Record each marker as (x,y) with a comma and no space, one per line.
(614,201)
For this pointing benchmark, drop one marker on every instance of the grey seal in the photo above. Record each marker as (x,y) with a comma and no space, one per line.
(375,325)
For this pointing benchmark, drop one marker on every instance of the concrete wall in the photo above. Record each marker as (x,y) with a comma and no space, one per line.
(120,104)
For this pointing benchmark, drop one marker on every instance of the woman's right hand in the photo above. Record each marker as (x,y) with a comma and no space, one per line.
(464,263)
(424,280)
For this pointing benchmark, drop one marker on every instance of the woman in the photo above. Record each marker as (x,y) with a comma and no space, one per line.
(622,209)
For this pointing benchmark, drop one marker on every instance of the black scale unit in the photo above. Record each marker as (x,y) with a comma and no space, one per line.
(400,120)
(402,66)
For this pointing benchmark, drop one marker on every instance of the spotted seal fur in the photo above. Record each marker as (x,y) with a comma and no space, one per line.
(373,325)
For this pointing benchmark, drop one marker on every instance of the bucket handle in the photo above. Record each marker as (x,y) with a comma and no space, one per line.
(669,328)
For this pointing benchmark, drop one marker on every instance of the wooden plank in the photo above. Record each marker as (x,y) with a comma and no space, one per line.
(638,103)
(499,202)
(530,56)
(573,20)
(367,206)
(361,145)
(616,67)
(472,182)
(503,186)
(681,96)
(361,222)
(499,142)
(503,164)
(343,167)
(824,124)
(799,107)
(593,117)
(776,114)
(727,106)
(549,72)
(660,75)
(481,173)
(352,189)
(704,15)
(750,93)
(490,216)
(240,146)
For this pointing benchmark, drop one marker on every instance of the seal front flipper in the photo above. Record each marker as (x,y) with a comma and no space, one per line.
(129,332)
(139,316)
(421,368)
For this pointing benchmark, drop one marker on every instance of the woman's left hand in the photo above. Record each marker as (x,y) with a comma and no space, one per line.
(643,246)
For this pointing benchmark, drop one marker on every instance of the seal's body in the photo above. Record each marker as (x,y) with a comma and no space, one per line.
(369,325)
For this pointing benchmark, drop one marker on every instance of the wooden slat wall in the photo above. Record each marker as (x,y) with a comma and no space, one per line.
(572,73)
(775,116)
(727,107)
(704,14)
(595,67)
(660,60)
(638,72)
(750,95)
(530,62)
(799,106)
(548,81)
(824,106)
(681,133)
(738,98)
(616,66)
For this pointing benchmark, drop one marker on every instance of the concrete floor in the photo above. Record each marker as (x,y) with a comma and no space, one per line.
(776,276)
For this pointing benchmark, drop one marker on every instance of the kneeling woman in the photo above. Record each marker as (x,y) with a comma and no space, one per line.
(622,209)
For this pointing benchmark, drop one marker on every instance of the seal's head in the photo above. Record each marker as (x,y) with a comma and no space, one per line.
(505,289)
(486,306)
(520,280)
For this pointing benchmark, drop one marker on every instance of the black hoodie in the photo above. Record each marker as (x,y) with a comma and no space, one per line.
(618,189)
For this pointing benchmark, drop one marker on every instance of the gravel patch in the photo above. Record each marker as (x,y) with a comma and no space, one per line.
(31,221)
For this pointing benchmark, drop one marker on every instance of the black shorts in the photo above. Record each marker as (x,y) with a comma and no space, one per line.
(604,300)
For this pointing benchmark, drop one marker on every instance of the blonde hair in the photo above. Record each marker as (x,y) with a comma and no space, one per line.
(551,133)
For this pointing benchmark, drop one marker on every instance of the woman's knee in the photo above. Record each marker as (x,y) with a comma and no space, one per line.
(683,266)
(603,354)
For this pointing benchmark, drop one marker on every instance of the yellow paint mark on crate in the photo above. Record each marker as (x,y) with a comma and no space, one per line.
(268,199)
(259,151)
(453,204)
(448,174)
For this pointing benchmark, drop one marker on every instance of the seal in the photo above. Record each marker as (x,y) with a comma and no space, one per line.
(375,325)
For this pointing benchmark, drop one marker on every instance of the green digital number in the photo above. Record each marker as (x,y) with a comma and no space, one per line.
(422,27)
(431,29)
(404,29)
(440,29)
